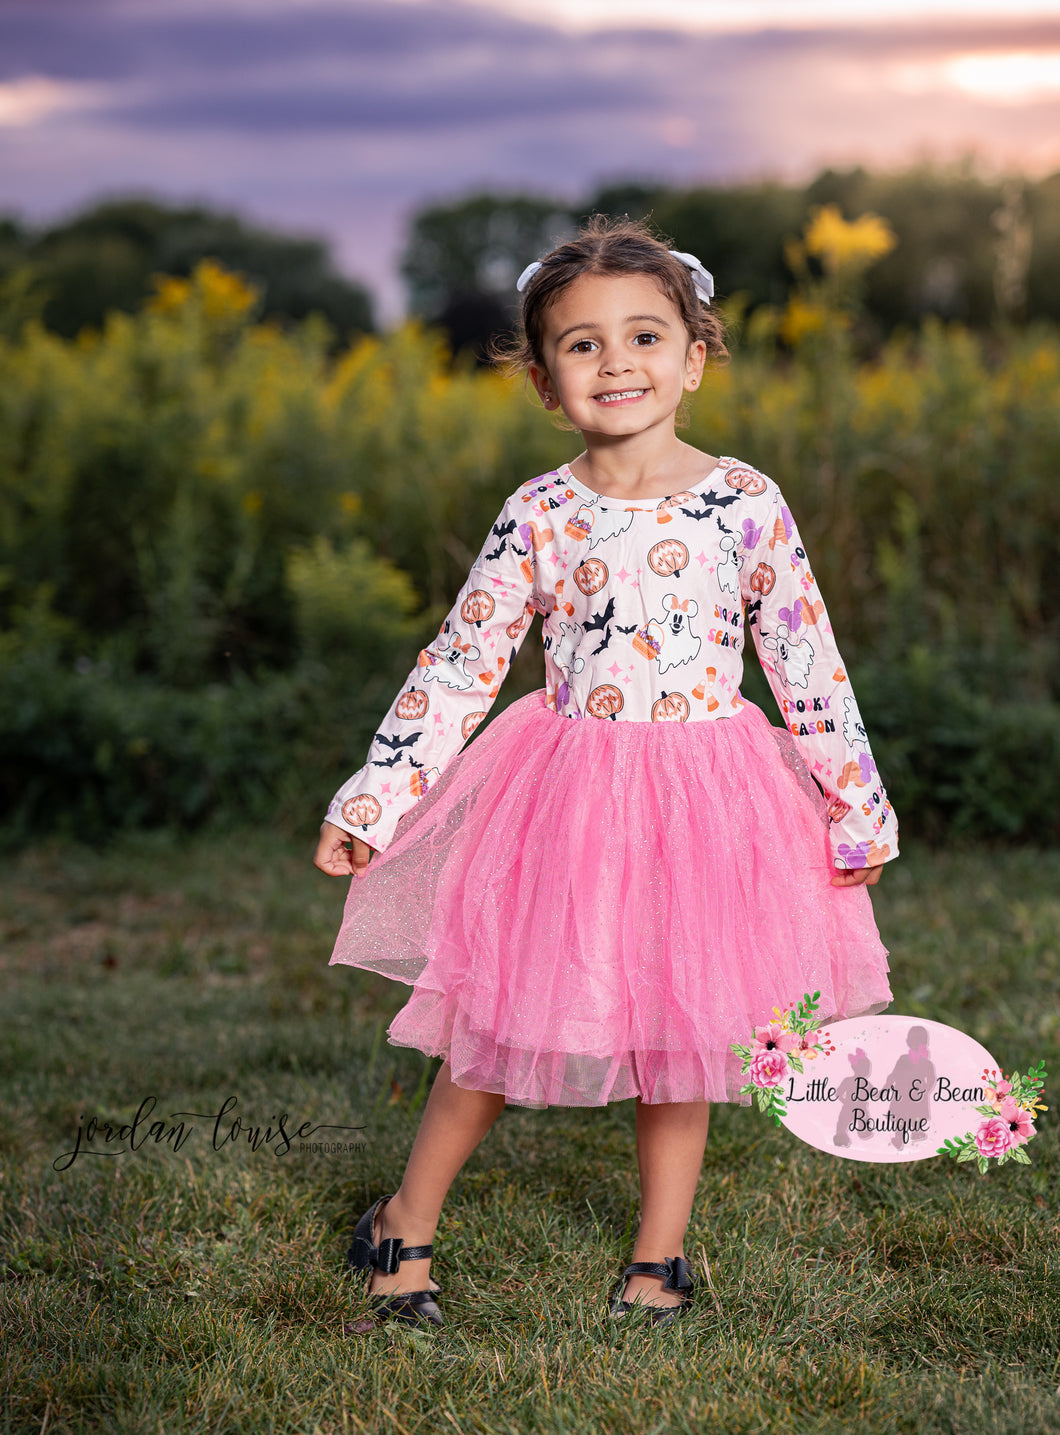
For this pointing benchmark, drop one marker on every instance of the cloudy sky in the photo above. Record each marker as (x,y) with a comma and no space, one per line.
(340,117)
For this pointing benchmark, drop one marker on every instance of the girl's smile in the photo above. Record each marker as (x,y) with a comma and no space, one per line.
(626,396)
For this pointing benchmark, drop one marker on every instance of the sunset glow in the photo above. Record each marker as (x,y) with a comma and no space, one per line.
(1013,77)
(735,15)
(32,98)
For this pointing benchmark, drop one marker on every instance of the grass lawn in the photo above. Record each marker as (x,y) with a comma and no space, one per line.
(204,1288)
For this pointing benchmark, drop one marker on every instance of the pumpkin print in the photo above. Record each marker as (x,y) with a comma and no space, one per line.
(605,701)
(469,724)
(674,501)
(412,705)
(745,480)
(514,629)
(591,575)
(362,811)
(668,558)
(671,707)
(477,607)
(762,579)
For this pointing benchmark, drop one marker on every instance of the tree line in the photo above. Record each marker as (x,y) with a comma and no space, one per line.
(985,252)
(71,275)
(970,249)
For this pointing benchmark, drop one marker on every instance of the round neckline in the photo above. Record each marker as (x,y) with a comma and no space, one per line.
(608,500)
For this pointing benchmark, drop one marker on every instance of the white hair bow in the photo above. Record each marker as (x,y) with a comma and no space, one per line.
(527,274)
(702,281)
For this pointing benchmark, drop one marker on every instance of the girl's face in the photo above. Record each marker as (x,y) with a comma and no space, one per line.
(617,355)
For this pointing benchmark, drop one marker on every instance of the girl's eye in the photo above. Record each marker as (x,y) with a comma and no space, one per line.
(647,337)
(582,346)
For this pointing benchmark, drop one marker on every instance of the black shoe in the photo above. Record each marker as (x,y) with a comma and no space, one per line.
(408,1307)
(678,1274)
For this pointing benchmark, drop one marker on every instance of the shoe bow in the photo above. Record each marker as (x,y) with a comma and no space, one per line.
(385,1256)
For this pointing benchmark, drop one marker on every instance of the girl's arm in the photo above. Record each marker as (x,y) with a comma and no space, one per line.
(447,694)
(808,678)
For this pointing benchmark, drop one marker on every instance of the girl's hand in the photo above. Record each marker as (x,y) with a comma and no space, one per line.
(855,876)
(335,858)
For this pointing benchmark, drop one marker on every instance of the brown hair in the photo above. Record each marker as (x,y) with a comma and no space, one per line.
(609,246)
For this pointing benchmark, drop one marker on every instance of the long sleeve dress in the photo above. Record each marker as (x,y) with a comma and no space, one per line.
(635,837)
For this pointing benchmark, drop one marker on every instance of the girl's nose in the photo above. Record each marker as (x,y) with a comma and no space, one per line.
(615,361)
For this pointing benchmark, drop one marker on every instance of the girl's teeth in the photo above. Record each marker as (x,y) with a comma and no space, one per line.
(613,398)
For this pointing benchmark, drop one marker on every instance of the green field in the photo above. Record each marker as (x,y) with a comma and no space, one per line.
(205,1289)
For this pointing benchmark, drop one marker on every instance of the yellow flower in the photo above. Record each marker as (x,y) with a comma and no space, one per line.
(222,291)
(219,291)
(801,318)
(841,244)
(170,294)
(1039,366)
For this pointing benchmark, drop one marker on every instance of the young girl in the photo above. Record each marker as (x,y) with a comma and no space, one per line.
(630,868)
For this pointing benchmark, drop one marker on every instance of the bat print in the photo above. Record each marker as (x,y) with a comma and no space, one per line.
(710,503)
(398,742)
(601,620)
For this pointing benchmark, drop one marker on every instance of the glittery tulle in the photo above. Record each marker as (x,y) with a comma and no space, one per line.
(592,910)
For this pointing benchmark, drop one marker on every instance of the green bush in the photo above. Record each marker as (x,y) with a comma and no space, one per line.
(352,608)
(958,763)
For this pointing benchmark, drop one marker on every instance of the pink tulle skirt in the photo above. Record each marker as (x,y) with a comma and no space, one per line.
(592,910)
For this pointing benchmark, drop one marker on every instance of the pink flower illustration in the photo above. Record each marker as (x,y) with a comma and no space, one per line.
(1019,1123)
(774,1037)
(993,1137)
(769,1067)
(806,1041)
(998,1090)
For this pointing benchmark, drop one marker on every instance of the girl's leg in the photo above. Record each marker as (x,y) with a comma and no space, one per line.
(454,1122)
(671,1139)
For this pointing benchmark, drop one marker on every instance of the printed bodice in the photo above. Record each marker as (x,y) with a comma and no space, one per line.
(645,612)
(644,620)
